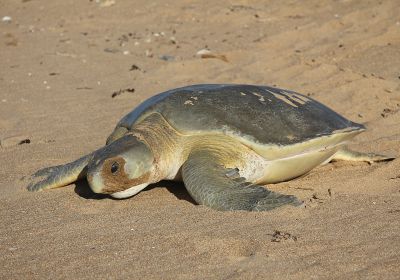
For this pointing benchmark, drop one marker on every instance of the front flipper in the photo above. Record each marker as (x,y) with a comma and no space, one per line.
(349,155)
(60,175)
(211,184)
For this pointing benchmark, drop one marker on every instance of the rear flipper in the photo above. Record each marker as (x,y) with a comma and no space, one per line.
(347,154)
(60,175)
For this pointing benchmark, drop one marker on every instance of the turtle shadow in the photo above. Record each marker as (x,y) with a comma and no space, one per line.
(83,190)
(176,188)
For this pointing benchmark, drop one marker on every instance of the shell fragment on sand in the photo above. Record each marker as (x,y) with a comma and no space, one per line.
(205,53)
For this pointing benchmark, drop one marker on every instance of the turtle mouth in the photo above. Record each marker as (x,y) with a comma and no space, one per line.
(129,192)
(95,182)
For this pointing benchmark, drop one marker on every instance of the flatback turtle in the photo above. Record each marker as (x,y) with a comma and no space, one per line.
(223,141)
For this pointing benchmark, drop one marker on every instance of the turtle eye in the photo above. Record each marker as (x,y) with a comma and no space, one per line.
(114,167)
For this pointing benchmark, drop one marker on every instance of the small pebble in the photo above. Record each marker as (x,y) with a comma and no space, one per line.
(105,3)
(205,53)
(6,19)
(172,40)
(134,67)
(111,50)
(149,53)
(14,141)
(167,57)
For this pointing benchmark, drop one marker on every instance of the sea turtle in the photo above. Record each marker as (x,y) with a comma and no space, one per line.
(223,141)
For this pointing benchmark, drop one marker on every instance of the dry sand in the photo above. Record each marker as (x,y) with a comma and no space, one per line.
(62,60)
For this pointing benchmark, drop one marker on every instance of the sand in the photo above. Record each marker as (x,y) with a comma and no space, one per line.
(61,62)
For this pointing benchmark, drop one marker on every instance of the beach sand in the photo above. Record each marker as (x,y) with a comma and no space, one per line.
(61,62)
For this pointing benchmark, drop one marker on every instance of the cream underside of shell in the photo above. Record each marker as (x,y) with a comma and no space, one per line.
(273,163)
(282,163)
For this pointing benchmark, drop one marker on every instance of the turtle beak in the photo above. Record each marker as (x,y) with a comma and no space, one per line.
(93,173)
(95,182)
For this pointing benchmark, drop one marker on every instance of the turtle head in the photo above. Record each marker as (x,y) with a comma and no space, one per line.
(122,169)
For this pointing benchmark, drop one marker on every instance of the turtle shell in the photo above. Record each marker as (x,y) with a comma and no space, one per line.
(260,114)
